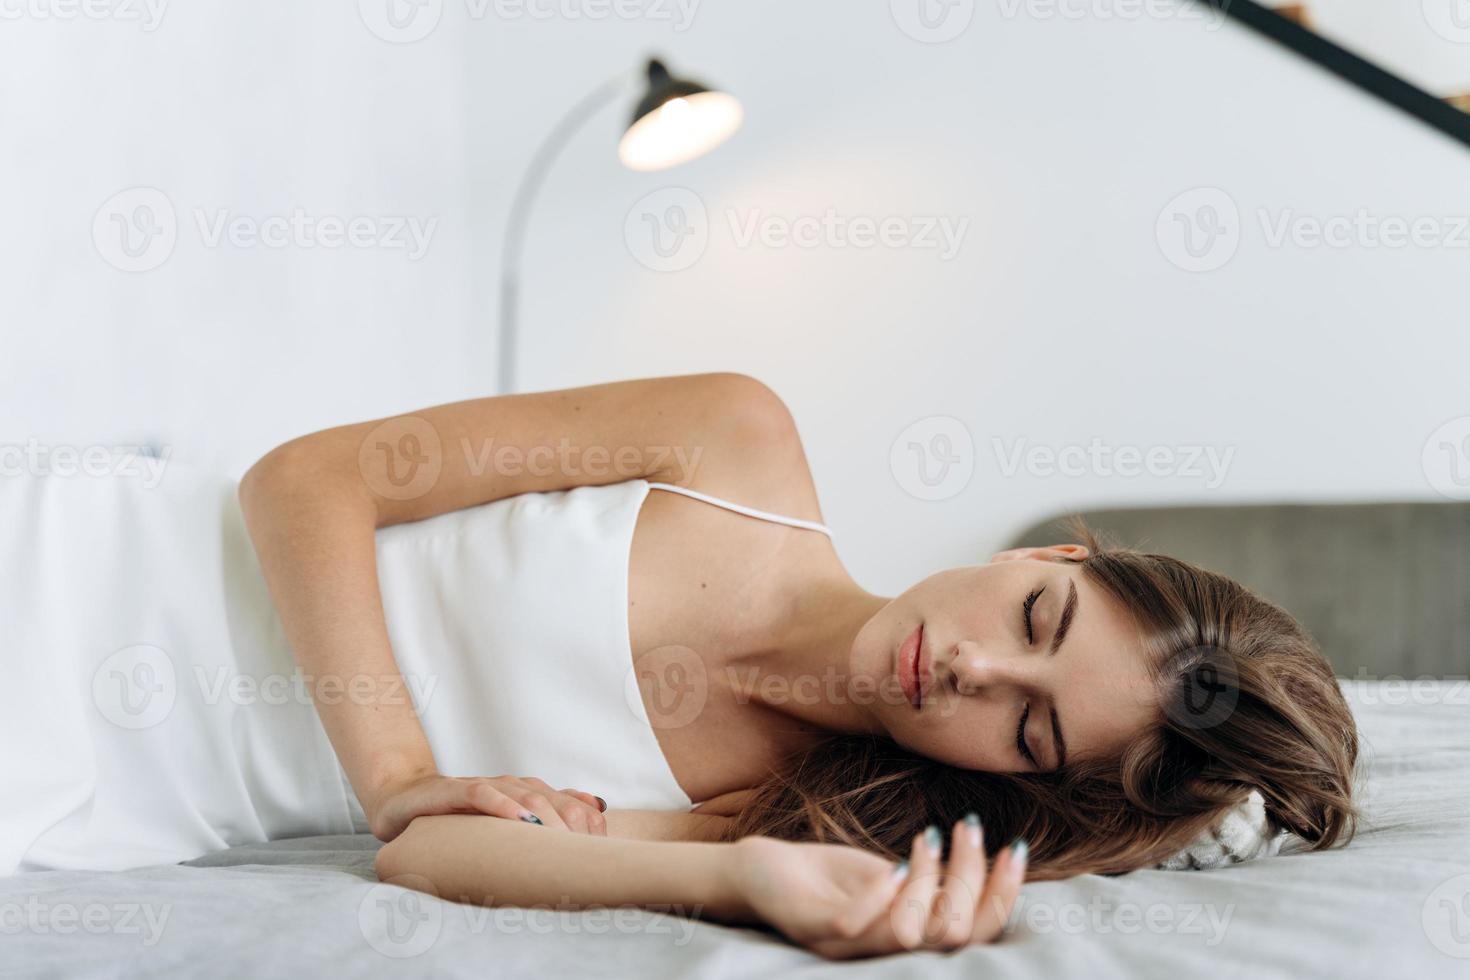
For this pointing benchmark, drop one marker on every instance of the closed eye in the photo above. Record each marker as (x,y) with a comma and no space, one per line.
(1026,613)
(1021,745)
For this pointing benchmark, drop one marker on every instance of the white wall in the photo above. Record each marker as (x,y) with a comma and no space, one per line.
(251,110)
(1324,369)
(1426,41)
(1061,319)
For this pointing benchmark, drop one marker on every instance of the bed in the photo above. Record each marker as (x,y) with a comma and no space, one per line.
(1396,902)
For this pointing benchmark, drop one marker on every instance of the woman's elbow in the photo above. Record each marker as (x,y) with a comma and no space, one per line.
(392,861)
(278,469)
(416,857)
(423,860)
(302,471)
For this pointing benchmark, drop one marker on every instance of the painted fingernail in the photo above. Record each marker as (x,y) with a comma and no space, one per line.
(972,823)
(601,803)
(933,839)
(1019,850)
(531,818)
(900,869)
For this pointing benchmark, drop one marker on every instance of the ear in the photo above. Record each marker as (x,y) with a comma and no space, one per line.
(1055,552)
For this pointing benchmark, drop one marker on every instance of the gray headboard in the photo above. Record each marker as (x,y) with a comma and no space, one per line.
(1384,588)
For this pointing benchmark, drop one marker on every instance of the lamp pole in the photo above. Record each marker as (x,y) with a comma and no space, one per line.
(520,210)
(649,143)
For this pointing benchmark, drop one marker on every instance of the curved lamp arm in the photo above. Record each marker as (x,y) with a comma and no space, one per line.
(520,209)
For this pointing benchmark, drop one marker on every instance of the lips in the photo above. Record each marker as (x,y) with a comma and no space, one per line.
(911,668)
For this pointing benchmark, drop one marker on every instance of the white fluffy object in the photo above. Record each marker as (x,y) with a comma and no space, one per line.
(1242,834)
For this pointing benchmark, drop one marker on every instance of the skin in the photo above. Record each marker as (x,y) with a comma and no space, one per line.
(766,609)
(988,672)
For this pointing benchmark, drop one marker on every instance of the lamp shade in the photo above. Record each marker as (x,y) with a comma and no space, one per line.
(677,120)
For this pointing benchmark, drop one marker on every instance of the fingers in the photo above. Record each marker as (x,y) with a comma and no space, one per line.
(952,904)
(909,916)
(589,809)
(578,811)
(596,802)
(511,798)
(498,797)
(994,910)
(481,796)
(930,903)
(508,797)
(872,902)
(952,920)
(540,804)
(442,796)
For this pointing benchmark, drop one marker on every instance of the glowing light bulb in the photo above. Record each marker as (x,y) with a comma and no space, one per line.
(680,130)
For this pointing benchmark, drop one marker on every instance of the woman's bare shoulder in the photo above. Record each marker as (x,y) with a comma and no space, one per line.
(756,459)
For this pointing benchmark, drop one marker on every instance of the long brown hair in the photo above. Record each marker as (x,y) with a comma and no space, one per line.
(1247,702)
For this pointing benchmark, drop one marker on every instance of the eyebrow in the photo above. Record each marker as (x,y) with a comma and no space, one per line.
(1069,612)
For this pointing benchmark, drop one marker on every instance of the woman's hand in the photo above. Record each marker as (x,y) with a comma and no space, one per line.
(512,797)
(843,902)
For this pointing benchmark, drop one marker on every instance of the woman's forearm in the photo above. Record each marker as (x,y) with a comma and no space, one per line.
(313,531)
(489,861)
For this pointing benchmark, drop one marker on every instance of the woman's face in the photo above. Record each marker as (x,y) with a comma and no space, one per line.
(1015,666)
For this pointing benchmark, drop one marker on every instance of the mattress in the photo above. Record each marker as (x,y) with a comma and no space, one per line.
(1395,902)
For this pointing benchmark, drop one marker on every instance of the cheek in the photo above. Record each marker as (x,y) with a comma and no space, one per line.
(876,644)
(965,737)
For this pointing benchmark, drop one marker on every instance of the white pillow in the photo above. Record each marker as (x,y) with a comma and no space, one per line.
(1242,834)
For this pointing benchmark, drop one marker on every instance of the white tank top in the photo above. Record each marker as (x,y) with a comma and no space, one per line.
(145,656)
(510,623)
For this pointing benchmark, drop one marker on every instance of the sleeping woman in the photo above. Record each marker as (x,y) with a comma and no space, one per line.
(642,676)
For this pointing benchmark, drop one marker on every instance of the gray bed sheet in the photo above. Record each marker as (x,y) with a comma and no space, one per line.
(1395,903)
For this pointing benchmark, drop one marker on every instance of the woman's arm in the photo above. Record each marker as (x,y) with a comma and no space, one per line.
(839,901)
(479,860)
(312,506)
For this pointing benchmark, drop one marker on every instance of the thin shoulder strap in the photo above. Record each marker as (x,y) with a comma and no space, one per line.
(747,511)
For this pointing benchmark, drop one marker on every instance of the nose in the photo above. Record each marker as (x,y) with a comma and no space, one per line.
(978,669)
